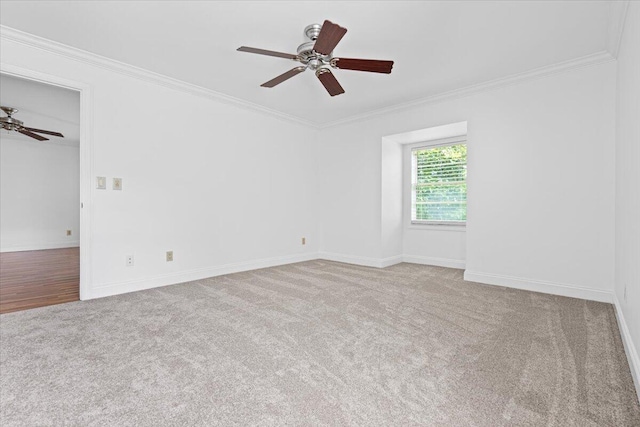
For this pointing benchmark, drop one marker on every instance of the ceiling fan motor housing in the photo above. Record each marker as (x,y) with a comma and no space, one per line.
(9,123)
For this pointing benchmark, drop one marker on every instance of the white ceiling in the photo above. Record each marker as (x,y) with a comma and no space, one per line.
(437,46)
(42,106)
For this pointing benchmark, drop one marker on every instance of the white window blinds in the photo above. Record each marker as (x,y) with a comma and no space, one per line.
(439,184)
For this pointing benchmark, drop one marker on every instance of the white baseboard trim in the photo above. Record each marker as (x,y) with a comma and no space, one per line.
(109,289)
(561,289)
(392,260)
(41,246)
(386,262)
(440,262)
(629,347)
(359,260)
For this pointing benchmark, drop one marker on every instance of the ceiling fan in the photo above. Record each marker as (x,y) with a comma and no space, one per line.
(317,54)
(11,124)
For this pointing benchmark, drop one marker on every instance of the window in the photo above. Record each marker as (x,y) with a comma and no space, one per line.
(439,183)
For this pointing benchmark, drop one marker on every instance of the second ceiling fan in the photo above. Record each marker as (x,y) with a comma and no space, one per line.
(317,54)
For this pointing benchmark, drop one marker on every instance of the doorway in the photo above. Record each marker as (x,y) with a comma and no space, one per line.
(39,196)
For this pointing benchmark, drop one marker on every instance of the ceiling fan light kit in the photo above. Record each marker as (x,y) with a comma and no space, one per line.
(10,124)
(317,54)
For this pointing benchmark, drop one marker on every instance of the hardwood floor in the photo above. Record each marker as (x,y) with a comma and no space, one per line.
(32,279)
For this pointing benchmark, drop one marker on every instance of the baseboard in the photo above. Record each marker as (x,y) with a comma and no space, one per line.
(440,262)
(359,260)
(386,262)
(392,260)
(561,289)
(41,246)
(109,289)
(629,347)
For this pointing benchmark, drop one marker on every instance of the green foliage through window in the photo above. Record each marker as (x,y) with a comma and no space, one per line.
(439,183)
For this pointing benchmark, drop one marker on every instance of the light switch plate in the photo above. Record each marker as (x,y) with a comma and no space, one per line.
(101,183)
(117,183)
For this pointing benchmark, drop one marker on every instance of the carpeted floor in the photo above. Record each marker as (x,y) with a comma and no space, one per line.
(318,343)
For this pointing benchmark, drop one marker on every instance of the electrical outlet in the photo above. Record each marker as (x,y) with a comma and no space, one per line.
(117,183)
(68,232)
(101,183)
(129,260)
(169,256)
(304,240)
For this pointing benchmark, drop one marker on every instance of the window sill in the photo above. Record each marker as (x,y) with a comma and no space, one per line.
(460,228)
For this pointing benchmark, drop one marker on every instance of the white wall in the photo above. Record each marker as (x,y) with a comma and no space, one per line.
(541,186)
(391,199)
(435,245)
(538,215)
(222,186)
(627,200)
(39,194)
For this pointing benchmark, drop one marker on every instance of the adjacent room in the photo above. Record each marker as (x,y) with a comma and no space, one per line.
(39,197)
(320,213)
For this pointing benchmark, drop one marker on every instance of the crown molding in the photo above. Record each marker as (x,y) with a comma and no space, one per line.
(618,10)
(536,73)
(617,15)
(93,59)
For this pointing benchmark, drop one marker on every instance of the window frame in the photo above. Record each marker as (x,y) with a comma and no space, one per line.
(422,224)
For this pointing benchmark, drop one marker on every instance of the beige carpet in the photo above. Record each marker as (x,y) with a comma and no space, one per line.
(318,343)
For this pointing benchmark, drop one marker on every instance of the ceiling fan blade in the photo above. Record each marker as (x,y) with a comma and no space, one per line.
(267,52)
(33,135)
(330,35)
(283,77)
(47,132)
(329,81)
(371,65)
